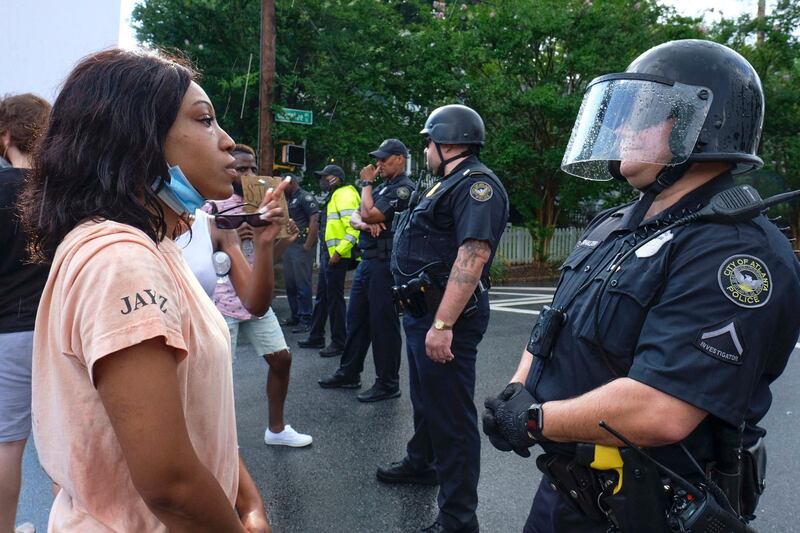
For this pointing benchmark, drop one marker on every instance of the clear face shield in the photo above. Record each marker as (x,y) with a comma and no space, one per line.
(634,117)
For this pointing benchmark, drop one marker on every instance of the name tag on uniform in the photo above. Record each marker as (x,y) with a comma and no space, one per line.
(651,248)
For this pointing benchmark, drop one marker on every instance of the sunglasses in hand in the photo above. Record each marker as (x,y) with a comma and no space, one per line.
(234,220)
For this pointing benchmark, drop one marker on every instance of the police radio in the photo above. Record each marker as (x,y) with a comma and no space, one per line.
(698,508)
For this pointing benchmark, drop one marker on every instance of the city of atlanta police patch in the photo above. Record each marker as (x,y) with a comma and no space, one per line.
(745,280)
(481,191)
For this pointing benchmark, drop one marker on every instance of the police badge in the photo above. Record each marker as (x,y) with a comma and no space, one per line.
(745,280)
(481,191)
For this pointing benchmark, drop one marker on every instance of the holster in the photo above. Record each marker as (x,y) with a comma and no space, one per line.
(574,482)
(754,470)
(626,492)
(424,293)
(640,504)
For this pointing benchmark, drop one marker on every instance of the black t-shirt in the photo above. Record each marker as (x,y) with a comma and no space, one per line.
(21,283)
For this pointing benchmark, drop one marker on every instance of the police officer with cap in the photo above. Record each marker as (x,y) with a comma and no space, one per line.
(298,259)
(668,324)
(443,248)
(371,317)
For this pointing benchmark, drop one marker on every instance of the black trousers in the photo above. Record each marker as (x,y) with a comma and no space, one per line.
(329,302)
(445,418)
(319,316)
(371,319)
(550,513)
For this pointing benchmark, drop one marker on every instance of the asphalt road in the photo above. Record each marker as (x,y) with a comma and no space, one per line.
(331,486)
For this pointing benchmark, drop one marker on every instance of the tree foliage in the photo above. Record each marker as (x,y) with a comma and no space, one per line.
(372,69)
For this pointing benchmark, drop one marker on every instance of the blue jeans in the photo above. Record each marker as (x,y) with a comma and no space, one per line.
(297,271)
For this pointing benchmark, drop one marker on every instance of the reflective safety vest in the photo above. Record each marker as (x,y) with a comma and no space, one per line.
(340,236)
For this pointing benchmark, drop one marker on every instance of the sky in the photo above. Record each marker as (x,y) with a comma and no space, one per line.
(711,10)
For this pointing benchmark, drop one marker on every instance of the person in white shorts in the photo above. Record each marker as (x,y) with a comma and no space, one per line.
(263,332)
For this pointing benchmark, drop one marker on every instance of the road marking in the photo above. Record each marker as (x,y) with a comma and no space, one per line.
(506,287)
(513,310)
(520,301)
(506,293)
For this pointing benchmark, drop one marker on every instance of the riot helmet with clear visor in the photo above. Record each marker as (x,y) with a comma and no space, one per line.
(635,118)
(672,77)
(679,103)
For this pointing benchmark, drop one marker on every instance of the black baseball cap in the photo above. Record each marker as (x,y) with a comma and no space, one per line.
(331,170)
(390,147)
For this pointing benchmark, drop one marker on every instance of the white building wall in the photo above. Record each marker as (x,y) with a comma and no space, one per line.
(41,40)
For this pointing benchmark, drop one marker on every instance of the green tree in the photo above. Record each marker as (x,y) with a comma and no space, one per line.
(356,65)
(776,61)
(372,69)
(529,63)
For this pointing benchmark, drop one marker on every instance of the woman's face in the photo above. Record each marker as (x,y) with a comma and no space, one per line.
(197,144)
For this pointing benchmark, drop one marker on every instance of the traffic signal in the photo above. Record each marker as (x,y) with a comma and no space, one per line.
(293,154)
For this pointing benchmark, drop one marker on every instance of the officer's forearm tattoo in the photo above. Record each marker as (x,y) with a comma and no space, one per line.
(472,256)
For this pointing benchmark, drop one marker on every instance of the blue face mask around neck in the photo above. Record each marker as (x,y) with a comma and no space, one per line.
(179,194)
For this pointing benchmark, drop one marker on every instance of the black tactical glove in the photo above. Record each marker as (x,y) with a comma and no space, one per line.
(505,420)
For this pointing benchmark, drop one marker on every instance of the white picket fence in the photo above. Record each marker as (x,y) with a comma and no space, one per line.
(516,245)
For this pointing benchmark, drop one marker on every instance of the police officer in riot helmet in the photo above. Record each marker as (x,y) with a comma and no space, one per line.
(443,248)
(666,326)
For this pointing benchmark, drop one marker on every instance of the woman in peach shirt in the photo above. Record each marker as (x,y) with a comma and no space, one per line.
(133,411)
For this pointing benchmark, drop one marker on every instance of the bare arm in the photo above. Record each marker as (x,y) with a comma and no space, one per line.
(249,504)
(369,213)
(357,223)
(464,277)
(523,369)
(645,415)
(138,387)
(253,285)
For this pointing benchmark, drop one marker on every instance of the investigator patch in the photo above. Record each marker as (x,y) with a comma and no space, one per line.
(403,193)
(745,280)
(722,342)
(481,191)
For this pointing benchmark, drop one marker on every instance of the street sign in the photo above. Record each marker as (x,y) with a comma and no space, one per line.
(297,116)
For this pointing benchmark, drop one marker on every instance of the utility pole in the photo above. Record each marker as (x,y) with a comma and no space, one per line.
(760,14)
(266,152)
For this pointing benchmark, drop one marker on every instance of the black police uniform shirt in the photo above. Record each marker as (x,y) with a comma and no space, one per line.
(390,197)
(705,313)
(470,203)
(302,206)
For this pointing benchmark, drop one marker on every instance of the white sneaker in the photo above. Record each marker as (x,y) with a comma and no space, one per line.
(287,437)
(27,527)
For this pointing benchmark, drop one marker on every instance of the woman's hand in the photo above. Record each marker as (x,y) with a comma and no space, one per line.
(271,211)
(256,522)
